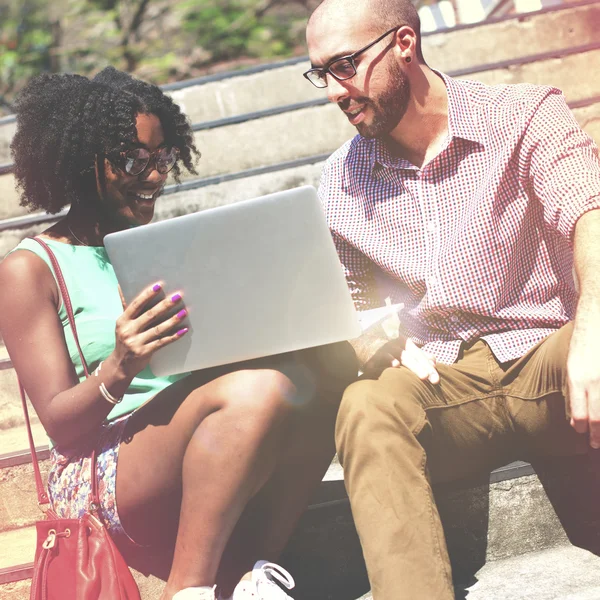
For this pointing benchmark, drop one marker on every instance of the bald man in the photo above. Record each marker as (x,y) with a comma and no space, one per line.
(469,205)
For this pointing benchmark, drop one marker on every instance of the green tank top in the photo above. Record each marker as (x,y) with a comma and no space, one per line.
(94,293)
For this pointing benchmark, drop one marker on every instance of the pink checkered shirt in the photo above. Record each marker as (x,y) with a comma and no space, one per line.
(478,242)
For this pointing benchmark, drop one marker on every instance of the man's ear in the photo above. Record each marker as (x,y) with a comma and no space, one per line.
(406,41)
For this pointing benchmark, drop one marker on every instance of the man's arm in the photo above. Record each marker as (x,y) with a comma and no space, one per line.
(374,349)
(564,172)
(583,364)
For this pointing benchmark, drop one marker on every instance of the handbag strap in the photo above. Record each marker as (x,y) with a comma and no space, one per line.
(39,486)
(64,292)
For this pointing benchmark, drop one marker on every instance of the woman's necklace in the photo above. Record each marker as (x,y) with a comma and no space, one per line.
(73,234)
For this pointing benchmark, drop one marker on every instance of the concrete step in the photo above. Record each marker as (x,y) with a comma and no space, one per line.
(563,573)
(567,73)
(17,547)
(321,129)
(14,440)
(514,36)
(18,499)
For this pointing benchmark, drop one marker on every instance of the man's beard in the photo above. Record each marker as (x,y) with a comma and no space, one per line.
(389,108)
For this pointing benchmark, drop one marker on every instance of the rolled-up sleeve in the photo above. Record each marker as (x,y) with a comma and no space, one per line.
(563,166)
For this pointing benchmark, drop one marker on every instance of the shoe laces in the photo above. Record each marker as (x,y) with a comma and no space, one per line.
(265,574)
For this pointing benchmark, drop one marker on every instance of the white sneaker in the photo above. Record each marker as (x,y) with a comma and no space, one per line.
(263,586)
(196,593)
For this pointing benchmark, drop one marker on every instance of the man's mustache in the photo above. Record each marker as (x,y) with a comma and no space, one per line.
(348,103)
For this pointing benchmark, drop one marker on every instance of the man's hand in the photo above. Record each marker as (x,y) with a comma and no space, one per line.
(583,376)
(583,361)
(402,352)
(376,352)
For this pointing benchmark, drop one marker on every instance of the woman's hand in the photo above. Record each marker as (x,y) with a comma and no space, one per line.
(141,331)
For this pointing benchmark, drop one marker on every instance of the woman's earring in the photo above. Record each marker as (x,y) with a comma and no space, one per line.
(408,59)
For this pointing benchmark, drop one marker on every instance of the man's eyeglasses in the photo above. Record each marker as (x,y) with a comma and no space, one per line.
(341,68)
(136,161)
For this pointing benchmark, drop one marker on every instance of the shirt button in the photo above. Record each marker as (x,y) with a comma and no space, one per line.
(433,281)
(454,319)
(431,227)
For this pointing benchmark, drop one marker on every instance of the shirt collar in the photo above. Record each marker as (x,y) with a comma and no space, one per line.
(462,123)
(462,119)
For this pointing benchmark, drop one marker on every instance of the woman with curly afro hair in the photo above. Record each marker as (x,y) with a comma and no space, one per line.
(214,467)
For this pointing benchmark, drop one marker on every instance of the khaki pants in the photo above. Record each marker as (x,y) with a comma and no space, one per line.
(396,435)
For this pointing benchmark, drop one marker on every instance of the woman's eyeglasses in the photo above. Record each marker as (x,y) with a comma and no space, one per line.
(136,161)
(341,68)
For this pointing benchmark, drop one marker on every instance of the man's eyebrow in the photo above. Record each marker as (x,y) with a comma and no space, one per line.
(332,59)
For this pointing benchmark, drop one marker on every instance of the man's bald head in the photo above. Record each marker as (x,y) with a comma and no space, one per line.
(379,15)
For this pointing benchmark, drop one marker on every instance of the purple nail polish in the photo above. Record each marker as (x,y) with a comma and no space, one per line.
(176,297)
(156,287)
(182,331)
(181,314)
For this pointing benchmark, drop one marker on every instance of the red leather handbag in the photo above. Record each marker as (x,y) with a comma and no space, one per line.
(75,559)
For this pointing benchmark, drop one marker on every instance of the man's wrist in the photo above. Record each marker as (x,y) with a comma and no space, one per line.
(367,345)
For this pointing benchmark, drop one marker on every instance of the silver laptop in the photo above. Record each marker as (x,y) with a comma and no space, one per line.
(258,277)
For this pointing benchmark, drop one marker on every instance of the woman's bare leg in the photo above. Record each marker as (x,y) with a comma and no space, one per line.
(203,466)
(241,445)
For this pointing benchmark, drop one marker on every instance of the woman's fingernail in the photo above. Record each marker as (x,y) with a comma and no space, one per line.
(156,287)
(176,297)
(182,313)
(182,331)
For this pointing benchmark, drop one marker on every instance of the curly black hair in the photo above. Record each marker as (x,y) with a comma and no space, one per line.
(65,122)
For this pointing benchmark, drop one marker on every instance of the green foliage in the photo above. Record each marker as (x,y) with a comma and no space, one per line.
(160,68)
(158,40)
(229,29)
(25,43)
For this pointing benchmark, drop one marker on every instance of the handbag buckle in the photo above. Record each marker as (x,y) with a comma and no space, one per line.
(50,541)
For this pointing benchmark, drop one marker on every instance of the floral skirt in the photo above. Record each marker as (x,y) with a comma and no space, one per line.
(69,484)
